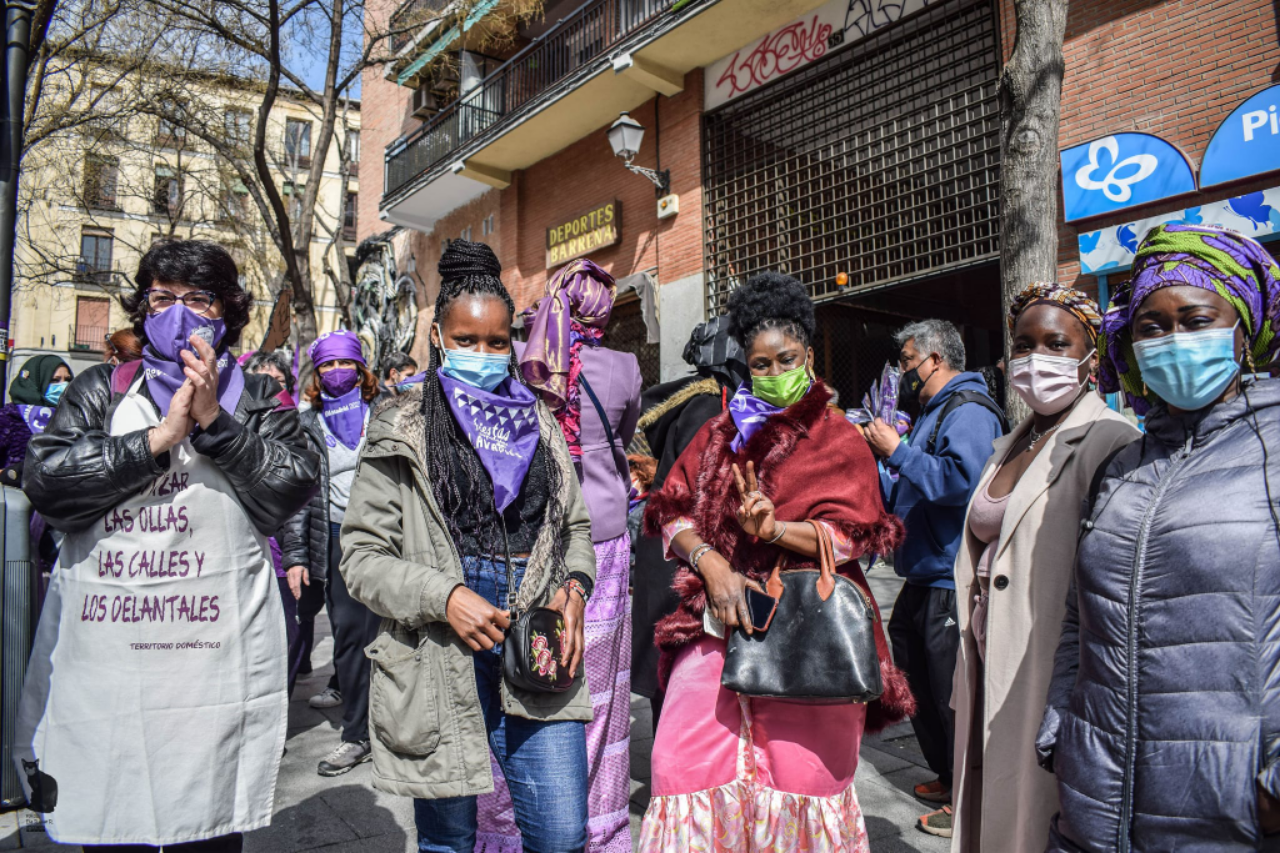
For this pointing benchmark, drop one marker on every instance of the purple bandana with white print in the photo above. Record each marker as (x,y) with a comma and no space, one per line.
(749,413)
(36,417)
(502,425)
(164,378)
(345,416)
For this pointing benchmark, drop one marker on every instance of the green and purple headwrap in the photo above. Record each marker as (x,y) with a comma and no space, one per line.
(1231,265)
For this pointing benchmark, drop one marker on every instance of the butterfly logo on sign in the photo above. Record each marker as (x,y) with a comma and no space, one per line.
(1121,170)
(1117,184)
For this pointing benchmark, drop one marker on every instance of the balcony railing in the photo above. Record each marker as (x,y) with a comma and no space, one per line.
(410,18)
(90,338)
(594,29)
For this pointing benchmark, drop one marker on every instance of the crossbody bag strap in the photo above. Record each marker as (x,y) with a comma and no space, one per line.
(604,419)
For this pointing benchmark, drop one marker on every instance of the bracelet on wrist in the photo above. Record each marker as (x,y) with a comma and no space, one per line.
(698,554)
(574,585)
(782,529)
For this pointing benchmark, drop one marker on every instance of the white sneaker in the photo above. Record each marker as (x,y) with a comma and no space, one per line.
(330,698)
(345,757)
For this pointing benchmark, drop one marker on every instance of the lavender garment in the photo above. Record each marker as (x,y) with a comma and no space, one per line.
(580,291)
(502,425)
(749,413)
(615,377)
(607,658)
(169,332)
(164,378)
(36,417)
(345,416)
(334,345)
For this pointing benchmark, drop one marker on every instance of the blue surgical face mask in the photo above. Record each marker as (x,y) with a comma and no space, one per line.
(478,369)
(1189,370)
(53,393)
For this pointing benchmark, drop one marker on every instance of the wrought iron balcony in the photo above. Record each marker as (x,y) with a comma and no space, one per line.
(592,31)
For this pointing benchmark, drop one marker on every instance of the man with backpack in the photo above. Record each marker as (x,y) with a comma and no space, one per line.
(937,473)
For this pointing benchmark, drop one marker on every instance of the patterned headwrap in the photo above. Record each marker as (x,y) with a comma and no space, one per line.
(573,314)
(1069,299)
(1231,265)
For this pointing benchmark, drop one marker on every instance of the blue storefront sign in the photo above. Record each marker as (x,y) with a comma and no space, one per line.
(1121,171)
(1246,143)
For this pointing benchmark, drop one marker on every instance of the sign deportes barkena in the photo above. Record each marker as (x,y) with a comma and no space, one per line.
(584,233)
(1247,142)
(1120,171)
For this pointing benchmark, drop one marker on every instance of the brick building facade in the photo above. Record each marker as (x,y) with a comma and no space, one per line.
(888,219)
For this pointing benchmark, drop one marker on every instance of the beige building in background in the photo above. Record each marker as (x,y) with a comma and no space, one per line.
(95,198)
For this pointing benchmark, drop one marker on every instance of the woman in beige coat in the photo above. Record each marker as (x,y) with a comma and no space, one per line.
(1013,570)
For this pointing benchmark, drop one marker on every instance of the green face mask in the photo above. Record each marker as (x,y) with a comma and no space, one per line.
(783,389)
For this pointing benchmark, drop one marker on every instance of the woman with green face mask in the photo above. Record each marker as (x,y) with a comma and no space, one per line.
(751,489)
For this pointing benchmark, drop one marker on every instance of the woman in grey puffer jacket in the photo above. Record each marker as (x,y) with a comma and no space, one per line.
(1163,718)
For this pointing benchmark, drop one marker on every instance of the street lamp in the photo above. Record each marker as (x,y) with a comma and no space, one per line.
(625,136)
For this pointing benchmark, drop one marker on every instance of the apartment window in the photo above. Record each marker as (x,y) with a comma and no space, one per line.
(353,145)
(349,216)
(170,134)
(466,234)
(235,201)
(93,322)
(94,263)
(239,127)
(488,226)
(167,200)
(101,175)
(297,142)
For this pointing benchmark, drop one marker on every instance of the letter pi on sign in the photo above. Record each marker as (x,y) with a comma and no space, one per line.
(1247,142)
(1119,171)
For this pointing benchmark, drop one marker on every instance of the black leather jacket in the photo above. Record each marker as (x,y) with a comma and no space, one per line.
(304,539)
(75,471)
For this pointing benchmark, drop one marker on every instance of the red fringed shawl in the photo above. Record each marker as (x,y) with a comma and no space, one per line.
(812,464)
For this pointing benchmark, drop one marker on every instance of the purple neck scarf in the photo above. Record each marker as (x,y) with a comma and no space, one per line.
(345,416)
(36,417)
(749,413)
(164,378)
(502,425)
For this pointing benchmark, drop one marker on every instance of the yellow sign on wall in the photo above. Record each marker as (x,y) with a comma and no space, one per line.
(579,235)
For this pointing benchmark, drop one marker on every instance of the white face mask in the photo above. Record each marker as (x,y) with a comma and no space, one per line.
(1049,383)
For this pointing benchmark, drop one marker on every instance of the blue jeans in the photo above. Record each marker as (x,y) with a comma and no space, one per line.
(545,763)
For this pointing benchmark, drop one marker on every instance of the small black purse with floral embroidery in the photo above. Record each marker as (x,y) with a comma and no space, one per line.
(532,649)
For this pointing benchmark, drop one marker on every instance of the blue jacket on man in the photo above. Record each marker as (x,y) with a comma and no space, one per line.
(933,490)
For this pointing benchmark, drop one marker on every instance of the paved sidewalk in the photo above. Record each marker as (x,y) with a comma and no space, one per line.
(346,815)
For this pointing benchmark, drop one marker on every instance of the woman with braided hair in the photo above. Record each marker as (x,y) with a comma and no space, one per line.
(466,511)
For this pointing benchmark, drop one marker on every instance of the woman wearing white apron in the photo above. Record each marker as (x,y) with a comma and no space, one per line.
(155,700)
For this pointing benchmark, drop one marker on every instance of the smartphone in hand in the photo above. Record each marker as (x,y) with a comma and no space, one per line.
(761,608)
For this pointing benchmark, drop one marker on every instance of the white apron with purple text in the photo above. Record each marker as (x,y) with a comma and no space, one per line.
(156,693)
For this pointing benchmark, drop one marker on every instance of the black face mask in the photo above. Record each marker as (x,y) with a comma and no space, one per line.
(910,385)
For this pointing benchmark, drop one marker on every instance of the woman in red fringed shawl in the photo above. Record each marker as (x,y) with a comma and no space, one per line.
(738,774)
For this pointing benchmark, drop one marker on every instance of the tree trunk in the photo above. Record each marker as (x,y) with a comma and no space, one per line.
(1030,98)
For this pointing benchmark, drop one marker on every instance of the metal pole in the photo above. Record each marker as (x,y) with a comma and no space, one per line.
(17,24)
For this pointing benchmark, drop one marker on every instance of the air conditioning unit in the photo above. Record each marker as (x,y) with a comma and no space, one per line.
(426,102)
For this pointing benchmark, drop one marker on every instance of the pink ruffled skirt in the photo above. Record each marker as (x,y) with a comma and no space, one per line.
(750,775)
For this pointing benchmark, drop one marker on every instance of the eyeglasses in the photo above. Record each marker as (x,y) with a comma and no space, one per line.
(198,301)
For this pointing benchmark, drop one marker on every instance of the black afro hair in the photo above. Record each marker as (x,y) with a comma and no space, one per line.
(771,300)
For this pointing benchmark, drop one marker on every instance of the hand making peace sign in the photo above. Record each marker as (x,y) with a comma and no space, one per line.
(755,513)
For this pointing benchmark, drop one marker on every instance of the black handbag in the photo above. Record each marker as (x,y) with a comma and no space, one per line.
(531,652)
(820,646)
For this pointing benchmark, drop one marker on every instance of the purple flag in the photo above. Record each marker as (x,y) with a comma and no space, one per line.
(37,417)
(749,413)
(502,425)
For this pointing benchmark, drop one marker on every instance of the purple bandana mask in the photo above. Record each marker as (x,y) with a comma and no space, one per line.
(749,413)
(169,331)
(165,377)
(344,415)
(339,381)
(502,425)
